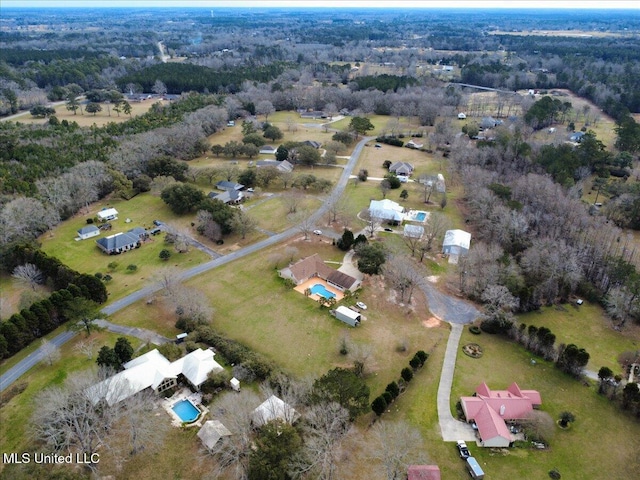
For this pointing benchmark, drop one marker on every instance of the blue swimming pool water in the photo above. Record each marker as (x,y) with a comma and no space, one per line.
(186,410)
(319,289)
(420,216)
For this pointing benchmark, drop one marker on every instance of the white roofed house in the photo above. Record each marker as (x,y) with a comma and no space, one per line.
(107,214)
(413,231)
(153,370)
(402,168)
(386,210)
(456,243)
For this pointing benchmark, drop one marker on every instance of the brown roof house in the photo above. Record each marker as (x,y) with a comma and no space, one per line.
(313,266)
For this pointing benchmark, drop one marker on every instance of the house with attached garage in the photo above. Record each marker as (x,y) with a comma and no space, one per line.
(230,196)
(119,243)
(313,266)
(491,409)
(88,232)
(401,168)
(386,210)
(153,370)
(284,166)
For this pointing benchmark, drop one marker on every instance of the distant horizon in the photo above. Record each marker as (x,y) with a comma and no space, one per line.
(332,4)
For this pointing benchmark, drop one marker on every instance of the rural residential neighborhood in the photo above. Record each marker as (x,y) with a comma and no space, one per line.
(268,241)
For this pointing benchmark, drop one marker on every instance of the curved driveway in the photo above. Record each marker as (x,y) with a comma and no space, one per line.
(30,361)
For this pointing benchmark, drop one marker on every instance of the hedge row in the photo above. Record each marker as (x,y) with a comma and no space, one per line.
(391,392)
(234,352)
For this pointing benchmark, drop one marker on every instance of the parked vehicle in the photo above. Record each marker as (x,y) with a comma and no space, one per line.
(157,223)
(474,468)
(318,232)
(361,306)
(462,449)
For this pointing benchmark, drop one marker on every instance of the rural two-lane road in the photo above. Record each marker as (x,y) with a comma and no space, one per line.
(30,361)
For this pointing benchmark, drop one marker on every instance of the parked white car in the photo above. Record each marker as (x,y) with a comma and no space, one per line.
(361,306)
(318,232)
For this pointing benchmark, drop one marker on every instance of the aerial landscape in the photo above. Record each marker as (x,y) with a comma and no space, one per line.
(319,240)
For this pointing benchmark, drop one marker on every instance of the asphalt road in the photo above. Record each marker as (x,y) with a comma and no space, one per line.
(27,363)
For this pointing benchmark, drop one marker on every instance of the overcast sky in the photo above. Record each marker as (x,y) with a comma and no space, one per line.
(573,4)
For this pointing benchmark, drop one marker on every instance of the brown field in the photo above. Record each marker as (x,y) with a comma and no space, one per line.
(565,33)
(99,119)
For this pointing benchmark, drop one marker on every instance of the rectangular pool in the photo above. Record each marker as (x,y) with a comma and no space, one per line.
(320,289)
(186,410)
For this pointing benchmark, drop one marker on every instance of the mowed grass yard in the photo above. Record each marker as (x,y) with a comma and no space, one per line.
(85,256)
(603,442)
(582,325)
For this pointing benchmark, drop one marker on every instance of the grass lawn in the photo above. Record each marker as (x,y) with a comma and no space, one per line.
(12,290)
(85,257)
(583,324)
(598,423)
(14,416)
(99,119)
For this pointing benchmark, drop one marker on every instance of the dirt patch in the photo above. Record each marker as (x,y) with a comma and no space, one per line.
(432,322)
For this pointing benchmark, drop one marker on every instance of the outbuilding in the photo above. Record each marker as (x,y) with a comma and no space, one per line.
(88,232)
(348,316)
(474,468)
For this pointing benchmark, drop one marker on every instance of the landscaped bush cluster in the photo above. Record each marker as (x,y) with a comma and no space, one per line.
(393,141)
(391,392)
(609,385)
(234,352)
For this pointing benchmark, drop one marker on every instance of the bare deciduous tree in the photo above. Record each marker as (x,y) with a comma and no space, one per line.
(396,445)
(243,223)
(302,222)
(292,200)
(402,276)
(86,347)
(232,453)
(325,426)
(28,274)
(374,220)
(50,352)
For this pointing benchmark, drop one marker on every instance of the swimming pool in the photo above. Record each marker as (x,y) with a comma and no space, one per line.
(186,410)
(421,216)
(320,289)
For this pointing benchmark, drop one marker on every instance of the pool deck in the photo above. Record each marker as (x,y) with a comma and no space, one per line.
(313,281)
(411,216)
(185,394)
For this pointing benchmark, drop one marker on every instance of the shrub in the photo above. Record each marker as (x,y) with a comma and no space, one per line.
(98,275)
(406,374)
(132,267)
(363,175)
(387,397)
(415,363)
(89,221)
(379,405)
(422,355)
(107,278)
(393,389)
(475,329)
(164,254)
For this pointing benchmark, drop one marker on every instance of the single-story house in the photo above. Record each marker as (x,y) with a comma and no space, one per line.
(413,231)
(387,210)
(107,214)
(153,370)
(313,266)
(274,408)
(576,137)
(228,196)
(402,168)
(211,432)
(489,122)
(312,143)
(456,242)
(225,185)
(284,166)
(414,143)
(423,472)
(88,232)
(490,410)
(312,114)
(268,150)
(119,243)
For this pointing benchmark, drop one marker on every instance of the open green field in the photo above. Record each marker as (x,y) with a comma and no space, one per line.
(85,256)
(607,439)
(581,325)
